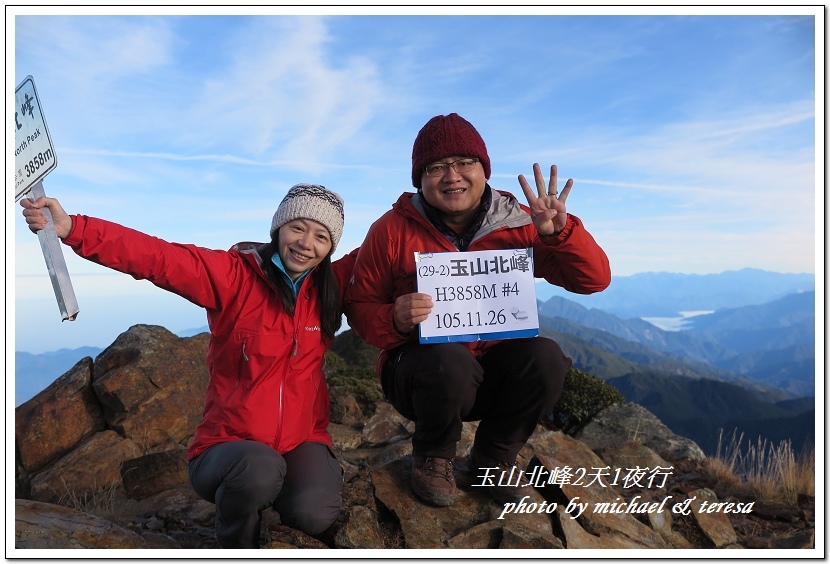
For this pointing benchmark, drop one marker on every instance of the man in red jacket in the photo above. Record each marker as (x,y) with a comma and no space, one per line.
(507,385)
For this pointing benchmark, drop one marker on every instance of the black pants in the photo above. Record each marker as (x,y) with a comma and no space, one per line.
(243,478)
(508,390)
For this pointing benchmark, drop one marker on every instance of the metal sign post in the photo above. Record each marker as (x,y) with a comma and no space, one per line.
(34,158)
(55,263)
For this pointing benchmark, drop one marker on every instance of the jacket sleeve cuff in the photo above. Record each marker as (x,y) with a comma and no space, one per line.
(75,236)
(555,240)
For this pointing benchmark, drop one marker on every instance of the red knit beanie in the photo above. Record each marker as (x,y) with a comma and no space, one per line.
(447,136)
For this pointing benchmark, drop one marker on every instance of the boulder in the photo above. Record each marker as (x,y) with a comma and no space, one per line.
(53,422)
(86,471)
(621,423)
(147,381)
(142,394)
(154,473)
(40,525)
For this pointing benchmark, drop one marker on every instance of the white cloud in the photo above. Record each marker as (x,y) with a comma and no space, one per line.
(100,49)
(281,98)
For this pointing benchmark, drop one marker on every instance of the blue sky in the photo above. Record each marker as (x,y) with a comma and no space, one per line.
(691,137)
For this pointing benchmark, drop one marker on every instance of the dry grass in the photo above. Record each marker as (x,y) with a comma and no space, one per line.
(763,471)
(106,502)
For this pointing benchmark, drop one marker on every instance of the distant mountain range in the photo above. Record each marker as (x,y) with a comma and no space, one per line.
(745,366)
(703,409)
(749,369)
(770,345)
(666,294)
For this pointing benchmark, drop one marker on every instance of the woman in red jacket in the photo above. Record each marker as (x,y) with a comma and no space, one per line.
(273,310)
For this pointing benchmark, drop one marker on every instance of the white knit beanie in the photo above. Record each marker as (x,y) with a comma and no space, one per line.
(311,201)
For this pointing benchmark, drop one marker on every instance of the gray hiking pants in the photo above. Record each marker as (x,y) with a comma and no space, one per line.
(243,478)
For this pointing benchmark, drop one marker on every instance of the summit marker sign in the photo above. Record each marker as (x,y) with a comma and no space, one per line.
(34,155)
(34,158)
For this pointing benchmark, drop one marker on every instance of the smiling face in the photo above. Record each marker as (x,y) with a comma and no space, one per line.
(302,244)
(456,195)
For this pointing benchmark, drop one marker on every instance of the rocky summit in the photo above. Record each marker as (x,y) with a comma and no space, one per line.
(100,463)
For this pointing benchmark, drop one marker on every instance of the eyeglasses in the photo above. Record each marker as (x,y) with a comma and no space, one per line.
(460,166)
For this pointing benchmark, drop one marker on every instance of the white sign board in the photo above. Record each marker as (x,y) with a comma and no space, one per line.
(34,155)
(478,296)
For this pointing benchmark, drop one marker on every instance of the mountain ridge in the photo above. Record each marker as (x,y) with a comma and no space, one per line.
(667,294)
(772,344)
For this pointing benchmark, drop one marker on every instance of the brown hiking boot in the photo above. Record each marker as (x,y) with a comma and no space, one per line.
(432,480)
(504,481)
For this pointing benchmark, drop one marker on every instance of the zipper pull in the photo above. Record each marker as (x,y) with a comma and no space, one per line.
(296,346)
(244,356)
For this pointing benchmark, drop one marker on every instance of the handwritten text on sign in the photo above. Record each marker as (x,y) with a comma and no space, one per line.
(480,295)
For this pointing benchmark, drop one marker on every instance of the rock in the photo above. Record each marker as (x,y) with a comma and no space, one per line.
(807,505)
(758,542)
(620,423)
(425,526)
(142,394)
(531,521)
(598,518)
(165,418)
(154,473)
(344,438)
(344,408)
(86,471)
(146,382)
(174,515)
(715,526)
(519,537)
(360,531)
(349,470)
(377,456)
(661,521)
(68,400)
(570,451)
(44,525)
(578,538)
(777,511)
(468,435)
(535,517)
(279,545)
(281,536)
(632,455)
(484,535)
(386,426)
(795,541)
(154,539)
